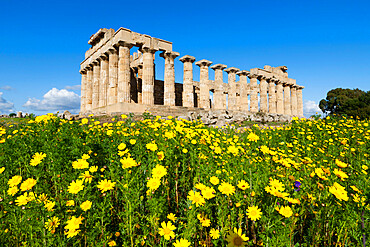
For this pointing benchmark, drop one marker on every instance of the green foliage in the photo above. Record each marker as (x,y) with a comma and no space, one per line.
(347,102)
(130,214)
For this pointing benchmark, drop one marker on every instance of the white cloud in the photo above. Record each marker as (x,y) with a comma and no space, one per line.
(5,106)
(55,100)
(310,108)
(6,88)
(73,88)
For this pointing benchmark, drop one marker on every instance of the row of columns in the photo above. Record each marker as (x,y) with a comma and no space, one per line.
(106,80)
(275,96)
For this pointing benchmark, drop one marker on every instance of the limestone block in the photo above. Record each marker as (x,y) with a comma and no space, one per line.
(279,98)
(244,105)
(287,107)
(263,94)
(253,92)
(124,73)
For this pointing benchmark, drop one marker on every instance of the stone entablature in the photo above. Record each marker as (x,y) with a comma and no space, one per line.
(112,77)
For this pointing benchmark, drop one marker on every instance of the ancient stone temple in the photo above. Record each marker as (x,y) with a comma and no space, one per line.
(115,80)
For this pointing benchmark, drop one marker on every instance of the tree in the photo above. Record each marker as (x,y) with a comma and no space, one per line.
(351,102)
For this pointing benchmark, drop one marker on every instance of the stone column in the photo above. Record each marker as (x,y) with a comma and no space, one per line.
(203,83)
(113,76)
(124,73)
(83,90)
(231,80)
(148,76)
(263,94)
(139,83)
(244,106)
(293,100)
(287,108)
(253,92)
(89,88)
(187,93)
(104,80)
(169,77)
(300,101)
(96,84)
(272,95)
(218,96)
(279,97)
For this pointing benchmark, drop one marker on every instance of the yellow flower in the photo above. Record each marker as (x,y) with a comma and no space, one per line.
(86,176)
(15,180)
(159,171)
(340,163)
(128,162)
(152,146)
(226,188)
(72,226)
(2,169)
(167,230)
(37,158)
(28,184)
(22,200)
(254,213)
(208,193)
(132,141)
(86,205)
(184,150)
(286,211)
(253,137)
(52,224)
(236,238)
(105,185)
(153,184)
(75,186)
(13,190)
(342,175)
(93,169)
(214,180)
(215,234)
(49,206)
(80,164)
(196,198)
(338,191)
(243,185)
(70,203)
(160,155)
(85,157)
(121,146)
(172,217)
(112,243)
(84,121)
(182,243)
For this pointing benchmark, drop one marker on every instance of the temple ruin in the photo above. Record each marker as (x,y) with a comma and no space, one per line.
(114,81)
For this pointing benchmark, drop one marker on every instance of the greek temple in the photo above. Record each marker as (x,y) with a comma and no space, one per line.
(115,81)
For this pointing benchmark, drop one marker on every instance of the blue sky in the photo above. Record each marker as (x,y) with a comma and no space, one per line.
(324,44)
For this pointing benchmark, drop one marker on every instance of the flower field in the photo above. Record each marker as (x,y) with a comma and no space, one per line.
(177,183)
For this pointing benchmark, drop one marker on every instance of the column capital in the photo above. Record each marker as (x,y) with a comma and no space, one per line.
(218,67)
(126,44)
(170,54)
(299,87)
(231,70)
(243,73)
(89,67)
(262,77)
(187,58)
(252,76)
(203,63)
(96,62)
(104,56)
(83,71)
(147,50)
(112,50)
